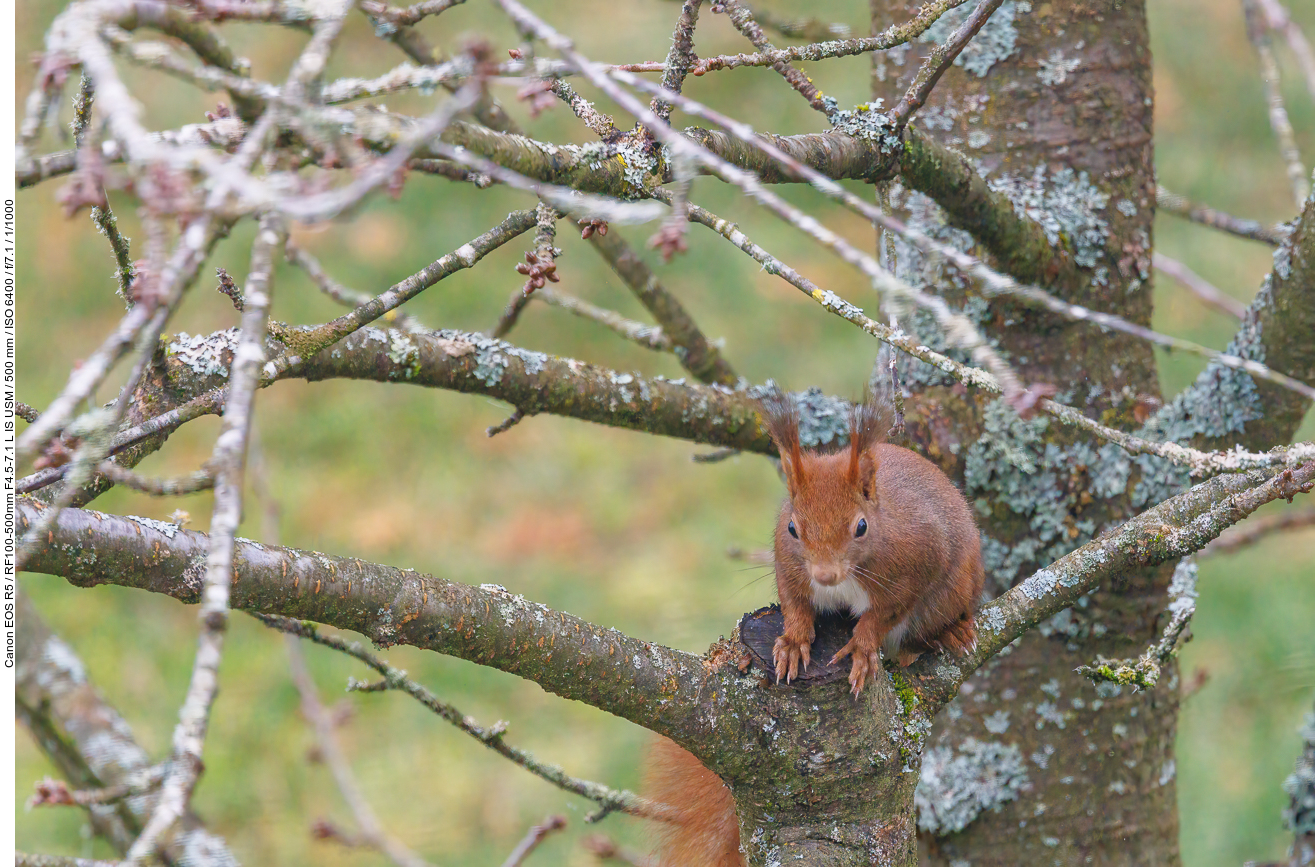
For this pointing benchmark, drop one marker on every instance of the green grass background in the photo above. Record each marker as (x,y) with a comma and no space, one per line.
(618,528)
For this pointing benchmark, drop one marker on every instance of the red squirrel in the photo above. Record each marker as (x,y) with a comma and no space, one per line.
(872,529)
(875,530)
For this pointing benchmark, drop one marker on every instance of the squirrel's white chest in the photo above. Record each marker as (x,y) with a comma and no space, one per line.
(848,596)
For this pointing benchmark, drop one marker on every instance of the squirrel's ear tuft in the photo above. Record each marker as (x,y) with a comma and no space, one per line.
(868,425)
(867,475)
(780,418)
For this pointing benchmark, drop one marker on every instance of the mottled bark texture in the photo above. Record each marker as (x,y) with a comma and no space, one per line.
(1052,104)
(816,778)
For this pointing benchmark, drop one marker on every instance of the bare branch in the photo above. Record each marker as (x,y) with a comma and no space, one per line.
(304,344)
(1198,286)
(1278,19)
(937,61)
(229,462)
(23,859)
(647,336)
(601,124)
(201,480)
(679,57)
(610,800)
(532,839)
(1257,529)
(896,34)
(50,792)
(743,19)
(696,353)
(1278,114)
(812,29)
(540,266)
(411,14)
(90,743)
(321,720)
(1256,231)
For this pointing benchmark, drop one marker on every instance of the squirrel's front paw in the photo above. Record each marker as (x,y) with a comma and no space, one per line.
(866,662)
(788,653)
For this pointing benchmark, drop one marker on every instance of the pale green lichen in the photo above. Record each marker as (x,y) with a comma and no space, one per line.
(204,354)
(1013,472)
(1065,204)
(823,420)
(956,786)
(996,41)
(1218,405)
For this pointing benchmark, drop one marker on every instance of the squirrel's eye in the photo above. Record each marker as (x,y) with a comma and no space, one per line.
(793,531)
(861,528)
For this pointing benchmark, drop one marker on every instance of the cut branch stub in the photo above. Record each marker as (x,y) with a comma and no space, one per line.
(759,630)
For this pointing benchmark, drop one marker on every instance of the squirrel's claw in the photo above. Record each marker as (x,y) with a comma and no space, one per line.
(864,664)
(788,654)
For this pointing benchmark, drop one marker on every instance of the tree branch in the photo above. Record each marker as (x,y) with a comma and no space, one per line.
(1175,528)
(654,686)
(1207,216)
(609,799)
(90,743)
(696,353)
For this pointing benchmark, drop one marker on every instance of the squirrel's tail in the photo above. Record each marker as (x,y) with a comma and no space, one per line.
(708,832)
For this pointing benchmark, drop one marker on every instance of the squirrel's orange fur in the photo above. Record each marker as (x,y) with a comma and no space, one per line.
(874,529)
(707,832)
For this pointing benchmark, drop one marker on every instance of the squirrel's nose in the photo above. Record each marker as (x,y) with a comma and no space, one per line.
(825,574)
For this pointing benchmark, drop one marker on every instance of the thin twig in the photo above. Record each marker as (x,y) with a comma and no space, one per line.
(516,417)
(812,29)
(743,19)
(338,292)
(102,216)
(1278,19)
(600,123)
(25,859)
(409,15)
(679,57)
(1278,113)
(604,848)
(540,266)
(937,61)
(532,839)
(51,792)
(697,354)
(372,832)
(895,35)
(453,172)
(611,800)
(1256,529)
(1198,285)
(647,336)
(1206,216)
(229,462)
(465,256)
(201,480)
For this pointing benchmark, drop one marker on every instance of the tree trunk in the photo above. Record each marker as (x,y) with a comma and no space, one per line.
(1053,103)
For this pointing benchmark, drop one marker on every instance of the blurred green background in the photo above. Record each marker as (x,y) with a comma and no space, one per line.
(619,528)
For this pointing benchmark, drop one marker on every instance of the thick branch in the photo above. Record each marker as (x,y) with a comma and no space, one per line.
(646,683)
(1175,528)
(696,354)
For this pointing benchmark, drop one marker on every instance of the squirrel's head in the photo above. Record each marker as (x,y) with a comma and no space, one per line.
(833,496)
